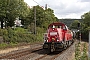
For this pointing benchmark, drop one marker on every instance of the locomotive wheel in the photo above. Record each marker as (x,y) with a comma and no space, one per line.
(65,46)
(69,43)
(72,40)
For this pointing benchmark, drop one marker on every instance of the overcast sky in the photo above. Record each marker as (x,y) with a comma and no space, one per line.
(64,8)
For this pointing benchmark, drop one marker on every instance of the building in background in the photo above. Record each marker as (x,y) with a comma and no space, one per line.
(18,22)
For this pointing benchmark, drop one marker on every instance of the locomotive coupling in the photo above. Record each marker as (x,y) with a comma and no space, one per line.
(52,47)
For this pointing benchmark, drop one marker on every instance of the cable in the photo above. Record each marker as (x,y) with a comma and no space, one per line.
(37,2)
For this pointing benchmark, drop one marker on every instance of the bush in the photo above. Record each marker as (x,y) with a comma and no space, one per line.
(3,45)
(20,30)
(19,35)
(1,32)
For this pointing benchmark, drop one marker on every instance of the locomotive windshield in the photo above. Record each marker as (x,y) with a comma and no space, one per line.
(58,25)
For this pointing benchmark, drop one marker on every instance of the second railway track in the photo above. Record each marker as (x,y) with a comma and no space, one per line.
(19,54)
(22,52)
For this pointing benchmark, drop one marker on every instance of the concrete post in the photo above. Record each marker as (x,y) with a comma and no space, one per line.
(80,36)
(89,45)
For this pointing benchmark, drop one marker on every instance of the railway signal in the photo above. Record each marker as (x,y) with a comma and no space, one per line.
(79,26)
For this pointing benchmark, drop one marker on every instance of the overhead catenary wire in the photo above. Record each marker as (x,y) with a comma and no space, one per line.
(41,5)
(36,2)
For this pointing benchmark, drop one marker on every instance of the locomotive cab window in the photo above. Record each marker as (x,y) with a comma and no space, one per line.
(56,26)
(65,27)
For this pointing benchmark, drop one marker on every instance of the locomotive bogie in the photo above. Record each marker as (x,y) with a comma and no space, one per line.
(56,45)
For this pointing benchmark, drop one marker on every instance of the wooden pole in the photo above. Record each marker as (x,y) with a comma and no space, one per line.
(35,18)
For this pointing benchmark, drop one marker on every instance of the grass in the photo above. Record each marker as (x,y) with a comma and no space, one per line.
(6,45)
(81,51)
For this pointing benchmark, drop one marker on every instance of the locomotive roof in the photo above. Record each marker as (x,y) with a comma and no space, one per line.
(57,23)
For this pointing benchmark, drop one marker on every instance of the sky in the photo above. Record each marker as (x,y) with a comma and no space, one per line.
(64,9)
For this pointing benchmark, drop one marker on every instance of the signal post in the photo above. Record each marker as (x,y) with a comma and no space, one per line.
(79,32)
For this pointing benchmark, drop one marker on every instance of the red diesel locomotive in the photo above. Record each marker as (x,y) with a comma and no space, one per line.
(58,36)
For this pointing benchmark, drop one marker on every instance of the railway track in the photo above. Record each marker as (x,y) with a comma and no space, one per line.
(34,54)
(17,54)
(48,56)
(52,56)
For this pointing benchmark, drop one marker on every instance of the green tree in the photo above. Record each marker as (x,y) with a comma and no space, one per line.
(85,25)
(43,17)
(49,17)
(11,9)
(74,24)
(2,11)
(86,19)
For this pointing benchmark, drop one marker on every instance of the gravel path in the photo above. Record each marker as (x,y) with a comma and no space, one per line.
(68,54)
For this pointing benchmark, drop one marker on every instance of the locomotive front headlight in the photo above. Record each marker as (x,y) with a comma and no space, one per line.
(57,39)
(47,40)
(53,29)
